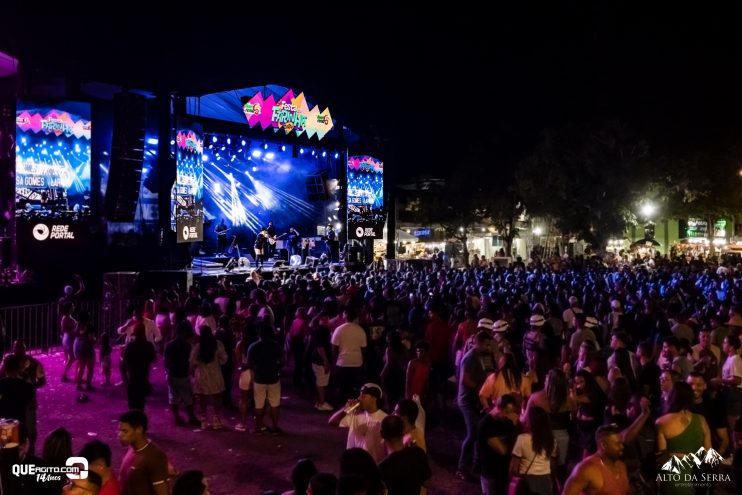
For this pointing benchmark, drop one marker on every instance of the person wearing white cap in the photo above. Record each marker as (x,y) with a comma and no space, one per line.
(534,340)
(498,333)
(569,314)
(363,418)
(616,319)
(583,331)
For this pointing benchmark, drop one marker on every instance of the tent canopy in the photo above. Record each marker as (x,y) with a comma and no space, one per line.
(645,242)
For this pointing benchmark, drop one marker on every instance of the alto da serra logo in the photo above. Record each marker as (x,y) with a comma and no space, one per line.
(681,469)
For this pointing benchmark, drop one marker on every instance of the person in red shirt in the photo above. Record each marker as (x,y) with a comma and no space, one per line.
(464,331)
(438,335)
(98,455)
(418,372)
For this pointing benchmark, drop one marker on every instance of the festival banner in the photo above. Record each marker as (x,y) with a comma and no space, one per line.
(289,113)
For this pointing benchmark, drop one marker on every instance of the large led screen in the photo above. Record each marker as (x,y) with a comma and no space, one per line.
(189,219)
(365,198)
(52,193)
(249,183)
(53,160)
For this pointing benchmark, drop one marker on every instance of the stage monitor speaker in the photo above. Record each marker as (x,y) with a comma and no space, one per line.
(279,264)
(127,157)
(312,261)
(283,254)
(295,260)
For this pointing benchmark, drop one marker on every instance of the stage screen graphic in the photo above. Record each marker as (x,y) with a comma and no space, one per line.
(189,219)
(249,183)
(365,193)
(53,161)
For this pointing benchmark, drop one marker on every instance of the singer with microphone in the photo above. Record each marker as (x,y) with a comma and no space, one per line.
(363,418)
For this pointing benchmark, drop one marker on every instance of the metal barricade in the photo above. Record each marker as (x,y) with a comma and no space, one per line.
(38,324)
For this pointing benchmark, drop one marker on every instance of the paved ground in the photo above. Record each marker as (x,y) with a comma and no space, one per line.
(236,463)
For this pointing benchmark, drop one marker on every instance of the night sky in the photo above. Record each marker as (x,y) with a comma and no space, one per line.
(442,86)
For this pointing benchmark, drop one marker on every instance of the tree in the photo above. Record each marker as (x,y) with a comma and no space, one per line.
(458,206)
(704,183)
(587,177)
(504,212)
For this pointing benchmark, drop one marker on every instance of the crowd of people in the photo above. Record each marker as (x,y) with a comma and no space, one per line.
(570,376)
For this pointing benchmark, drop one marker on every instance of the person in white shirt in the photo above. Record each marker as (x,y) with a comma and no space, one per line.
(363,419)
(151,332)
(533,452)
(348,341)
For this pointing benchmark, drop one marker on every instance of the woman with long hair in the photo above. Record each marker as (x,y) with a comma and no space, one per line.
(561,408)
(207,357)
(508,379)
(57,449)
(591,407)
(533,452)
(623,363)
(680,432)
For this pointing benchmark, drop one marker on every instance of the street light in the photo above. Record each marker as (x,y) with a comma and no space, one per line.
(648,210)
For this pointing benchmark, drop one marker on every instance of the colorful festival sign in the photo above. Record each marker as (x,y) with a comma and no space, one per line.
(290,113)
(365,198)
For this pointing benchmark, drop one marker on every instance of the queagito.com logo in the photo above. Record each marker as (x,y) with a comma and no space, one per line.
(75,468)
(694,467)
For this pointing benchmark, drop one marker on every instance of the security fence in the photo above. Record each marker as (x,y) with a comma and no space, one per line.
(38,324)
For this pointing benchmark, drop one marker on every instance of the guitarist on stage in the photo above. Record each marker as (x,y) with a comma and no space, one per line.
(221,237)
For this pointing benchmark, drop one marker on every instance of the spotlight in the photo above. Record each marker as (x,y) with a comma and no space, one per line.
(229,140)
(265,146)
(172,142)
(270,155)
(256,153)
(213,139)
(324,154)
(283,147)
(339,226)
(255,169)
(205,158)
(243,142)
(312,152)
(152,141)
(301,150)
(336,155)
(223,148)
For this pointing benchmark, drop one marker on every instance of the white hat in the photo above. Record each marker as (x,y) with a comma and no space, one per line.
(536,321)
(591,322)
(500,326)
(485,323)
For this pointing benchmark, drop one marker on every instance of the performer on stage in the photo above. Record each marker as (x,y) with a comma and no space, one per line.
(221,237)
(271,237)
(261,247)
(294,242)
(332,243)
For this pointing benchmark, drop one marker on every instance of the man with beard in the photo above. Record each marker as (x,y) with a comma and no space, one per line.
(602,473)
